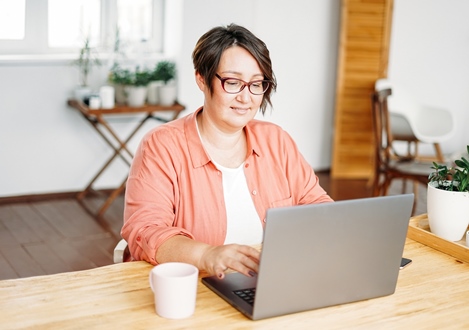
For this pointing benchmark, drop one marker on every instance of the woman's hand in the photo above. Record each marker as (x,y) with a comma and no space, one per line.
(241,258)
(214,260)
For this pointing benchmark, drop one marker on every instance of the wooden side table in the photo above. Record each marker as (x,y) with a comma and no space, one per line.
(96,117)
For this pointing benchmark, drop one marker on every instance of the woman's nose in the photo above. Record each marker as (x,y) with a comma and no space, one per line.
(245,95)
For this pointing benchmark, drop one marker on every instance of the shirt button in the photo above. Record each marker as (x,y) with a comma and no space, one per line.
(139,238)
(246,165)
(254,192)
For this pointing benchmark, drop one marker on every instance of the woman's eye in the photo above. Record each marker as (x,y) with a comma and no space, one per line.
(232,82)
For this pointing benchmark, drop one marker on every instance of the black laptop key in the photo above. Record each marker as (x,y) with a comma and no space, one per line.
(247,295)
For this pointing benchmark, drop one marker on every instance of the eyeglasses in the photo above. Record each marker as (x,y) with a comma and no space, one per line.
(234,85)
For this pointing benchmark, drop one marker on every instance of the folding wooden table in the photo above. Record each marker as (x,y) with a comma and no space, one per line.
(96,117)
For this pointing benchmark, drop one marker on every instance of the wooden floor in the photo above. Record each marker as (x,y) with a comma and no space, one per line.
(61,235)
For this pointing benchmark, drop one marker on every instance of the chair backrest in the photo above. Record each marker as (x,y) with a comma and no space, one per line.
(412,120)
(400,101)
(401,110)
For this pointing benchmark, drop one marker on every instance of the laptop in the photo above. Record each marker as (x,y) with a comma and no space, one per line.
(321,255)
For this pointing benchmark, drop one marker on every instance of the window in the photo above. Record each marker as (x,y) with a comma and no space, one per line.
(131,11)
(12,19)
(69,22)
(57,26)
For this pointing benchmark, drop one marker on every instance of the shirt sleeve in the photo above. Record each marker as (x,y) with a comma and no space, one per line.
(302,178)
(151,198)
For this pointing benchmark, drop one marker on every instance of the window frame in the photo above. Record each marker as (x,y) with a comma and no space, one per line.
(35,42)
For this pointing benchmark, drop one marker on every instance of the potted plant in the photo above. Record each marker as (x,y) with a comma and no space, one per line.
(448,199)
(87,58)
(120,78)
(165,71)
(154,85)
(136,89)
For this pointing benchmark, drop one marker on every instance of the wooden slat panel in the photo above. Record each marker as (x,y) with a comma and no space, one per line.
(363,58)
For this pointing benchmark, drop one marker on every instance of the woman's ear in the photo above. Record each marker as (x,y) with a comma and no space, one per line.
(200,81)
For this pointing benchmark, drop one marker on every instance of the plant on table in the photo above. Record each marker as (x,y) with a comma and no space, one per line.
(119,76)
(455,178)
(164,71)
(448,199)
(136,89)
(140,77)
(87,58)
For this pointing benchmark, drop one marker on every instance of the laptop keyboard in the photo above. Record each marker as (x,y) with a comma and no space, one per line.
(247,295)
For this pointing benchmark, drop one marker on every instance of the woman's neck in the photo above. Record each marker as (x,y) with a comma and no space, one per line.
(226,148)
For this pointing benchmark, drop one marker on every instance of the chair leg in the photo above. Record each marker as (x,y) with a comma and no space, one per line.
(439,154)
(404,186)
(376,179)
(416,149)
(386,185)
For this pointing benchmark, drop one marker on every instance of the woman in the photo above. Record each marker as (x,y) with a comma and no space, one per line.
(199,186)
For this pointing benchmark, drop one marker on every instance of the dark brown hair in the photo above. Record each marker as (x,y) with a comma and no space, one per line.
(210,47)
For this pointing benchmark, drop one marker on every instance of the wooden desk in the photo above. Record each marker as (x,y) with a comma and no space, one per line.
(97,118)
(433,293)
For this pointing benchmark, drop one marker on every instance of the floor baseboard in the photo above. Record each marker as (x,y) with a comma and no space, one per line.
(48,196)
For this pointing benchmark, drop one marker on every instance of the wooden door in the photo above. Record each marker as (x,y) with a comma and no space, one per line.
(363,58)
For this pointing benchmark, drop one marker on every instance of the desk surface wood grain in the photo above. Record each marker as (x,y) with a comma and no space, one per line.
(433,292)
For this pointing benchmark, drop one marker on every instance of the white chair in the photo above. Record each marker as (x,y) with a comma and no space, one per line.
(387,164)
(121,252)
(415,122)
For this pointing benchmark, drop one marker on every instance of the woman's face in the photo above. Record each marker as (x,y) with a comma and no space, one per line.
(231,112)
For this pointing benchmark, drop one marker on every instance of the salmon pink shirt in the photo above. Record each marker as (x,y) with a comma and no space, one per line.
(174,189)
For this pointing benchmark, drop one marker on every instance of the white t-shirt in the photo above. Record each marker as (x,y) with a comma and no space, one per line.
(243,223)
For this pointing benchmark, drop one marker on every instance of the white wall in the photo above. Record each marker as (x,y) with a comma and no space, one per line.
(302,37)
(46,146)
(429,56)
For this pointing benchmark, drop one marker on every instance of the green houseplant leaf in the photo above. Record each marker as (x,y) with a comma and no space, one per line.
(455,178)
(87,58)
(164,71)
(120,76)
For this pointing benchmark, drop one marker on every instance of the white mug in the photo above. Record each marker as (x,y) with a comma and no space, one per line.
(174,285)
(467,238)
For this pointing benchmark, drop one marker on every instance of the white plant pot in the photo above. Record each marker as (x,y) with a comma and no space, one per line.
(448,212)
(136,96)
(168,94)
(120,94)
(153,92)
